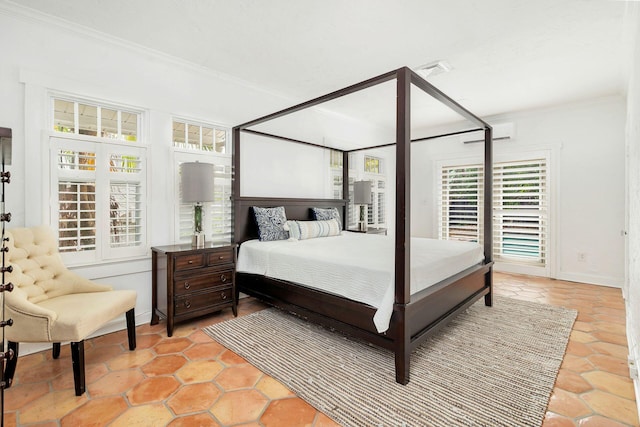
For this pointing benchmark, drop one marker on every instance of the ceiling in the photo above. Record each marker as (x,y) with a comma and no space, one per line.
(506,55)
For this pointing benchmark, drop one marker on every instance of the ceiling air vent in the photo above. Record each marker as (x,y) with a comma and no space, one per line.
(433,68)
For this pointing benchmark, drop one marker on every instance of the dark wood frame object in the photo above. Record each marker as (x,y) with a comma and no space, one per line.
(414,317)
(170,272)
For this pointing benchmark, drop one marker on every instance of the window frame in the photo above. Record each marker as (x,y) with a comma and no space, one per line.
(510,156)
(201,124)
(101,177)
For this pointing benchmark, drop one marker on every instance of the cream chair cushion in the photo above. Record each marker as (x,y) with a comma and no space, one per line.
(49,303)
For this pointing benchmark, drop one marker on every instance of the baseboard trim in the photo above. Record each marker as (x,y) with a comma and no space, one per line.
(592,279)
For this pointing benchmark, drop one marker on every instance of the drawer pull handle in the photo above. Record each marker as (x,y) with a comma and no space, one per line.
(223,295)
(221,257)
(223,278)
(187,304)
(190,261)
(187,285)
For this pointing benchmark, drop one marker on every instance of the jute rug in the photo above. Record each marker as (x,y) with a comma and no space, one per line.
(491,366)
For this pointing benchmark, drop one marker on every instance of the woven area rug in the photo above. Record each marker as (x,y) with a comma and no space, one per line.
(491,366)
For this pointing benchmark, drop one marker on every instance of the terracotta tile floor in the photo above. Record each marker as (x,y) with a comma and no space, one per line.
(190,380)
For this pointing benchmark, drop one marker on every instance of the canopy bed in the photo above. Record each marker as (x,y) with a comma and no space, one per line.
(414,313)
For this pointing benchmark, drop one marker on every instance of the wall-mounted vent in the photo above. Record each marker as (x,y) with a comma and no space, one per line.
(501,132)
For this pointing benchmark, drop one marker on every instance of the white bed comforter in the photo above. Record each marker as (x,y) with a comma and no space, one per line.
(357,266)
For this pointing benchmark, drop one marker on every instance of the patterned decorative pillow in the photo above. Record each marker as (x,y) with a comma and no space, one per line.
(323,214)
(271,223)
(301,230)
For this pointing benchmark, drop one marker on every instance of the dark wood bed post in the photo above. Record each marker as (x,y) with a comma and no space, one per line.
(403,224)
(345,187)
(235,177)
(488,211)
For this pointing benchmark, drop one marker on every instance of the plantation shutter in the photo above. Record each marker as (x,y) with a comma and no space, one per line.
(382,208)
(461,203)
(221,207)
(76,216)
(520,211)
(126,209)
(75,173)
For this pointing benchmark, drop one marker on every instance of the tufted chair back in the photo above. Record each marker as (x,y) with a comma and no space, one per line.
(38,271)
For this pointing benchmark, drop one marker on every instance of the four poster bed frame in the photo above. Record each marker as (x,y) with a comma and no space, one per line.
(415,317)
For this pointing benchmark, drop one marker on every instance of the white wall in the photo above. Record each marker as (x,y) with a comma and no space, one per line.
(275,168)
(586,146)
(41,55)
(632,287)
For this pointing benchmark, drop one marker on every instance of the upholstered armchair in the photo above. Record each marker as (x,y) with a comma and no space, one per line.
(49,303)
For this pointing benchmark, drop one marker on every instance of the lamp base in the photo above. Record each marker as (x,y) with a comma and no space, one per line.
(197,240)
(362,226)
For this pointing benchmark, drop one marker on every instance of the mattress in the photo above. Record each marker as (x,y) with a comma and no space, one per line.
(357,266)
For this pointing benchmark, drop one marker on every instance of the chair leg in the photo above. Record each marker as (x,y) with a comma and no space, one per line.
(131,329)
(77,359)
(10,369)
(56,350)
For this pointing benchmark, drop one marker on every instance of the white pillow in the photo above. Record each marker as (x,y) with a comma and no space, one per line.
(301,230)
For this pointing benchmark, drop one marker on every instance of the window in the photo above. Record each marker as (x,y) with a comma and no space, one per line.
(217,218)
(99,181)
(520,208)
(460,203)
(336,159)
(99,205)
(208,144)
(372,169)
(520,211)
(372,164)
(200,137)
(335,165)
(376,210)
(82,118)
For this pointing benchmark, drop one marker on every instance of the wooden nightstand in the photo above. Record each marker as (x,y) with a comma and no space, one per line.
(188,282)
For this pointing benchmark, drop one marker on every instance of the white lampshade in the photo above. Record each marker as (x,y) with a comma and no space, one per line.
(197,182)
(362,192)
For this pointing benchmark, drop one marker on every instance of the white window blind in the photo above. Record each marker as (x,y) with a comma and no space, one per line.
(377,208)
(126,214)
(222,206)
(520,208)
(77,216)
(461,203)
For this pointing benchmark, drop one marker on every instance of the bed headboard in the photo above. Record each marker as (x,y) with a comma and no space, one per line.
(245,227)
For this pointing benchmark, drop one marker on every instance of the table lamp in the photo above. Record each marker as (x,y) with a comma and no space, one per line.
(362,197)
(197,187)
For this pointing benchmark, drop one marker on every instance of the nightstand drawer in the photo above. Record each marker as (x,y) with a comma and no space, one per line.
(205,300)
(187,262)
(221,257)
(198,283)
